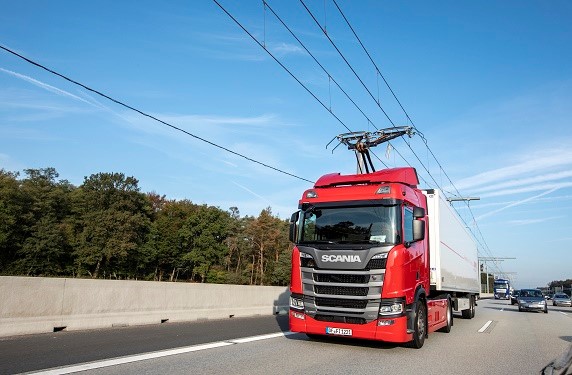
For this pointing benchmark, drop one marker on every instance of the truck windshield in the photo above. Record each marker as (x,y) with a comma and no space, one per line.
(353,225)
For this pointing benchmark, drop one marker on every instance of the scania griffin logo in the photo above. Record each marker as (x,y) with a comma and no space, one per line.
(341,258)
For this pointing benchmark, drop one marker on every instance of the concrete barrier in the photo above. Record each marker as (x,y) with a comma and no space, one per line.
(37,305)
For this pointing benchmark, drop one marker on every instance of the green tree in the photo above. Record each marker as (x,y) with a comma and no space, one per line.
(236,262)
(203,238)
(165,244)
(113,220)
(281,272)
(11,232)
(268,237)
(46,250)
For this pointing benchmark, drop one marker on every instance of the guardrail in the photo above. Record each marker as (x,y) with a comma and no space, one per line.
(38,305)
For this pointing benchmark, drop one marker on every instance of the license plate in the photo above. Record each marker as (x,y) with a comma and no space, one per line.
(338,331)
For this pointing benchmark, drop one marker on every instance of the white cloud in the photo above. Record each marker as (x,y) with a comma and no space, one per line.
(533,221)
(283,49)
(539,162)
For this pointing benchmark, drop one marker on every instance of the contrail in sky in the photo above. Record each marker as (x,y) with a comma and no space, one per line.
(46,86)
(517,203)
(251,192)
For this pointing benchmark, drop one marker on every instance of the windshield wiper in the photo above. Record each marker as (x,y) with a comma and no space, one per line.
(320,241)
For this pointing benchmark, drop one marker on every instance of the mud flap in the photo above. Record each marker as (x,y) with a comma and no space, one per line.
(410,313)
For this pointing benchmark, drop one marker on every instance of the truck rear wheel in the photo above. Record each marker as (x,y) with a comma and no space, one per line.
(419,326)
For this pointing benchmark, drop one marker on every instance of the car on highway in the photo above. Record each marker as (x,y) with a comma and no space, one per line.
(561,299)
(514,296)
(532,300)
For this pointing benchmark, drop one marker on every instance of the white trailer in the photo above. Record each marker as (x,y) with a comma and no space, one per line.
(453,255)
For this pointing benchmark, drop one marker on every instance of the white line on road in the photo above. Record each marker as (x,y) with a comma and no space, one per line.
(261,337)
(152,355)
(484,328)
(562,312)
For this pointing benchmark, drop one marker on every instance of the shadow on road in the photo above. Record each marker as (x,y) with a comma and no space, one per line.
(281,309)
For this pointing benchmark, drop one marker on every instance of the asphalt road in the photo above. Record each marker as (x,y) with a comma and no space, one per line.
(512,343)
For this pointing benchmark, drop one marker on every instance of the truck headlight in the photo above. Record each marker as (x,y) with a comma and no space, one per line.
(391,308)
(296,303)
(306,260)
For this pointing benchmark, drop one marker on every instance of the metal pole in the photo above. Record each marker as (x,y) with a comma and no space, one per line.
(487,272)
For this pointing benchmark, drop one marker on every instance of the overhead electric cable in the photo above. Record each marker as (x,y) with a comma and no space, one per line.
(319,64)
(282,65)
(150,116)
(347,62)
(370,59)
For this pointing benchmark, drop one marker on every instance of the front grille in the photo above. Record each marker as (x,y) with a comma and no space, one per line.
(341,290)
(340,319)
(341,278)
(342,303)
(376,264)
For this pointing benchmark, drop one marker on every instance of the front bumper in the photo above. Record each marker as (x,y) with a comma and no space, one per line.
(394,331)
(532,306)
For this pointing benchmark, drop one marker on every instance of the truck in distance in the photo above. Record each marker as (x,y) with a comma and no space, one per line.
(502,289)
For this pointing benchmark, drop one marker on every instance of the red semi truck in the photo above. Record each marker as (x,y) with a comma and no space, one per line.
(378,258)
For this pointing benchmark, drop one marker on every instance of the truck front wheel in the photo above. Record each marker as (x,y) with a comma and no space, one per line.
(419,325)
(447,328)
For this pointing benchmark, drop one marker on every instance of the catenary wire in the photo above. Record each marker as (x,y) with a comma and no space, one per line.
(282,65)
(319,64)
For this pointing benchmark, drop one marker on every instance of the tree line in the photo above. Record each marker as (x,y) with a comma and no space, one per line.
(108,228)
(566,284)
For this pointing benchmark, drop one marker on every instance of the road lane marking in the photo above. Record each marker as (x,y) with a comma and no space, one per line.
(153,355)
(484,328)
(261,337)
(562,312)
(131,358)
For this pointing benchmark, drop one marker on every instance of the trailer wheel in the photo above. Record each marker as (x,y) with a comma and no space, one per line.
(447,328)
(470,312)
(419,326)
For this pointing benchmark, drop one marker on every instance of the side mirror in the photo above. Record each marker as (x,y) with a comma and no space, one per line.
(293,221)
(418,229)
(418,212)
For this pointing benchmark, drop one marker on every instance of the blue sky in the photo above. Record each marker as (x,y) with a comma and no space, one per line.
(489,84)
